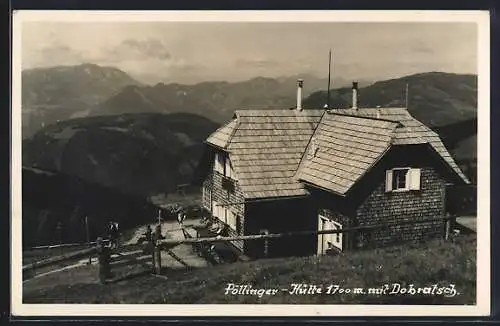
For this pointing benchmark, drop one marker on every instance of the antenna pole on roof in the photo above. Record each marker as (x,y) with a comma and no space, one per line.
(329,73)
(406,96)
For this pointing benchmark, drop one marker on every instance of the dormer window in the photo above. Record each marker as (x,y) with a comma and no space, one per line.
(402,179)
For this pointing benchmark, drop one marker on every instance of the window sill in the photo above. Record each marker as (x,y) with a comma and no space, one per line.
(400,190)
(404,190)
(225,176)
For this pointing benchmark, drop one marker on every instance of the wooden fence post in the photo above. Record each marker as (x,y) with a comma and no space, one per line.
(151,247)
(104,260)
(157,254)
(447,227)
(266,243)
(87,237)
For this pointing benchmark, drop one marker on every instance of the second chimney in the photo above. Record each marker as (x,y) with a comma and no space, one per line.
(354,95)
(300,83)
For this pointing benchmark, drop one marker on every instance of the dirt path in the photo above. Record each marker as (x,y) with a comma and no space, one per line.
(170,229)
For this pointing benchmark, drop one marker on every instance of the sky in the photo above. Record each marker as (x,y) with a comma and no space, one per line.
(191,52)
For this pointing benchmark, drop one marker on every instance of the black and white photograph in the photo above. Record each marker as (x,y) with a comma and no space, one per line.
(250,163)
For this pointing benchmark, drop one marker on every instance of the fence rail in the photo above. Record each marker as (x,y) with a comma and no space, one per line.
(59,259)
(170,242)
(104,253)
(61,245)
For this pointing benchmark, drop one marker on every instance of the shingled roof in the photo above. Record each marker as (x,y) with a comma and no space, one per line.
(221,136)
(342,149)
(413,131)
(269,149)
(266,147)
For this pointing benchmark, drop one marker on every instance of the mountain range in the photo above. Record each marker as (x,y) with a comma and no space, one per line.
(218,100)
(435,98)
(59,93)
(64,92)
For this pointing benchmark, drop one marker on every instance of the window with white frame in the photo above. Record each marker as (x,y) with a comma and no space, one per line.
(402,179)
(225,215)
(223,165)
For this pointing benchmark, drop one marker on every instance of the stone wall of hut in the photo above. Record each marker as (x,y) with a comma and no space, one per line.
(414,205)
(213,189)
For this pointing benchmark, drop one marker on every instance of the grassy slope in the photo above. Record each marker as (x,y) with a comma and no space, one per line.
(437,261)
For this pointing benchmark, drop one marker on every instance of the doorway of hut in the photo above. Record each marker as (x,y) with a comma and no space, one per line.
(328,242)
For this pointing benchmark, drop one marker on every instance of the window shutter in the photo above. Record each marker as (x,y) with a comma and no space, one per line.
(238,224)
(221,164)
(228,168)
(414,179)
(203,196)
(388,180)
(216,162)
(232,172)
(230,219)
(214,208)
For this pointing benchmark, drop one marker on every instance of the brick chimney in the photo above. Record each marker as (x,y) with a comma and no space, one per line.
(355,95)
(300,83)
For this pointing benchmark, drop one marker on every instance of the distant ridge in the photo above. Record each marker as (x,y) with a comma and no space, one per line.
(435,98)
(61,92)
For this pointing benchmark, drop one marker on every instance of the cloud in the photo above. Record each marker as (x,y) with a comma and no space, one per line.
(421,47)
(189,51)
(53,55)
(422,50)
(256,63)
(139,49)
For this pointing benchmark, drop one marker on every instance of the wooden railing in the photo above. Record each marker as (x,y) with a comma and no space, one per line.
(103,251)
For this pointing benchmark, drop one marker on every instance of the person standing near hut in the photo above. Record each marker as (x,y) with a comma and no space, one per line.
(148,237)
(117,233)
(149,233)
(109,232)
(158,234)
(113,234)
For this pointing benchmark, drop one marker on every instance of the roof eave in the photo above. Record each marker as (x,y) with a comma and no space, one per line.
(260,199)
(215,146)
(463,179)
(321,188)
